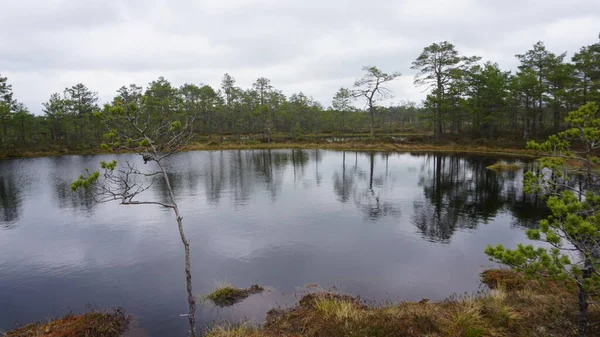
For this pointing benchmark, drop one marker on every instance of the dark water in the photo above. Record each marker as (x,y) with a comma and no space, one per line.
(383,226)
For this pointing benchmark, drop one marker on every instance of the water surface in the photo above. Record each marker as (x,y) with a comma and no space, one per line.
(384,226)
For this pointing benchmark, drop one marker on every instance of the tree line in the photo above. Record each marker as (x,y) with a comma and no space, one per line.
(465,97)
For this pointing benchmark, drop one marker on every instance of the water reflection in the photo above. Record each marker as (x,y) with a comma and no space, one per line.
(343,183)
(458,192)
(461,193)
(10,199)
(282,218)
(215,176)
(67,199)
(371,198)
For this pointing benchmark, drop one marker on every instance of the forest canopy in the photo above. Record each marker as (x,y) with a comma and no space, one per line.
(466,97)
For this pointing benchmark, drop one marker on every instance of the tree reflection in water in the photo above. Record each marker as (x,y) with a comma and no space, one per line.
(451,193)
(461,193)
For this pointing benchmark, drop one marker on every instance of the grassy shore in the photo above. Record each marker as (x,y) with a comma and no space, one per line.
(415,143)
(513,307)
(364,146)
(93,324)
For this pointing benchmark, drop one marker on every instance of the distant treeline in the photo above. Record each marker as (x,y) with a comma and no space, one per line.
(466,98)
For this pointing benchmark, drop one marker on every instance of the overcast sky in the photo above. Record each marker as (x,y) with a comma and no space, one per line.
(314,46)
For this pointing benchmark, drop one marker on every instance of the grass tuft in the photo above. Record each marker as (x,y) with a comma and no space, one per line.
(228,330)
(503,279)
(339,309)
(514,306)
(463,317)
(225,294)
(93,324)
(503,166)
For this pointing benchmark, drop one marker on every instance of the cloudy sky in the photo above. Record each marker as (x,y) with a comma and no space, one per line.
(314,46)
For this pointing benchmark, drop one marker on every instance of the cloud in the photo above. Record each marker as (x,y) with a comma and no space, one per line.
(310,46)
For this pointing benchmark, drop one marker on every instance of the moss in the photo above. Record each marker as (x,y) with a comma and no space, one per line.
(226,295)
(503,166)
(93,324)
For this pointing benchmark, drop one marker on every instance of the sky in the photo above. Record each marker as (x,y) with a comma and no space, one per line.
(313,46)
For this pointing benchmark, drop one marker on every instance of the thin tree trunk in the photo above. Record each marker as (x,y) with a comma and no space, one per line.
(583,302)
(438,107)
(188,276)
(556,117)
(4,132)
(186,246)
(372,119)
(584,90)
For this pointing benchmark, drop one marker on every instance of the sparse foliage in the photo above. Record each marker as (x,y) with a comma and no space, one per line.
(370,87)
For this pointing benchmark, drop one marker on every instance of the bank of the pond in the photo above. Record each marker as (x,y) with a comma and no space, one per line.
(366,146)
(361,145)
(92,324)
(514,306)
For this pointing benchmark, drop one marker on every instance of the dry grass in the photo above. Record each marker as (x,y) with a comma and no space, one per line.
(340,310)
(503,166)
(503,279)
(383,143)
(92,324)
(362,146)
(240,330)
(513,306)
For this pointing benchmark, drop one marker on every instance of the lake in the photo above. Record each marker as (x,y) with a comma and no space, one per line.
(385,226)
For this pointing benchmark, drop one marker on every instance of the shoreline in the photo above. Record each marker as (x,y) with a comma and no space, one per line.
(335,146)
(513,305)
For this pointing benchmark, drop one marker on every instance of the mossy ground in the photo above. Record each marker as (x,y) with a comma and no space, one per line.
(513,307)
(93,324)
(226,295)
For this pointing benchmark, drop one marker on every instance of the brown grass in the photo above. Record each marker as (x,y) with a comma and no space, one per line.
(362,146)
(92,324)
(503,278)
(414,143)
(514,306)
(503,166)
